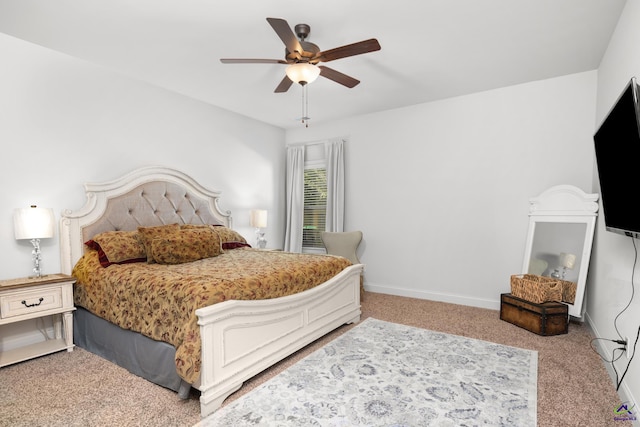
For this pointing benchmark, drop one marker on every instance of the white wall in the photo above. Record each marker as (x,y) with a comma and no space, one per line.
(609,286)
(64,122)
(441,190)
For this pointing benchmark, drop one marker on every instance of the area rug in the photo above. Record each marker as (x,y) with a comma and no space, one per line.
(386,374)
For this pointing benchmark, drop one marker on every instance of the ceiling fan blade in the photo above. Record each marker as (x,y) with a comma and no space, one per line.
(284,85)
(353,49)
(251,61)
(283,30)
(338,77)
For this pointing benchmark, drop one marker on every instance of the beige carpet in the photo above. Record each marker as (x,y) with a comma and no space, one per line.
(80,389)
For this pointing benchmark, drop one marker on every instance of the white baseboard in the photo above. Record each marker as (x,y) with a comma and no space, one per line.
(435,296)
(22,339)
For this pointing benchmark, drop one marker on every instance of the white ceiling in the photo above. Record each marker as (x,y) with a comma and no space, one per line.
(431,49)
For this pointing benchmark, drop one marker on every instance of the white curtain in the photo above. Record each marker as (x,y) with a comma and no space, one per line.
(334,150)
(295,199)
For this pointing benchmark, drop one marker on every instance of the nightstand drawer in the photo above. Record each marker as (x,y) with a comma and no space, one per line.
(33,301)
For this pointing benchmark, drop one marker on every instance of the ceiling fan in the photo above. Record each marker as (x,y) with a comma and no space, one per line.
(303,56)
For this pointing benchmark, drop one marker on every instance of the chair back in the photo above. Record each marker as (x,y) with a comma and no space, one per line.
(344,244)
(538,266)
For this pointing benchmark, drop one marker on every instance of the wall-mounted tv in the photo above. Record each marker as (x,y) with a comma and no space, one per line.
(617,147)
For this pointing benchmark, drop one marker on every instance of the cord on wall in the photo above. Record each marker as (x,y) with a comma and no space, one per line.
(615,324)
(621,340)
(619,382)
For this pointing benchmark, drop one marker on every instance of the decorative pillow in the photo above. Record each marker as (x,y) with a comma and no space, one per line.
(147,234)
(118,247)
(200,227)
(230,239)
(186,245)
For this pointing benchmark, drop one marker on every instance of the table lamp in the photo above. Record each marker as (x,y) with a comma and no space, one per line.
(34,223)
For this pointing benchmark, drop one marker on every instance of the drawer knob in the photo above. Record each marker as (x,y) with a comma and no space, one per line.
(35,304)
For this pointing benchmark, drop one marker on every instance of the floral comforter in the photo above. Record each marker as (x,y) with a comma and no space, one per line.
(159,301)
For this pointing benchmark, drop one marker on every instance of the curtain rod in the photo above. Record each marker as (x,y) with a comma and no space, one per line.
(323,141)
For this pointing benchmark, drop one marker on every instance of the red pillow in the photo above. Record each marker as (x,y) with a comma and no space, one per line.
(118,247)
(230,239)
(104,259)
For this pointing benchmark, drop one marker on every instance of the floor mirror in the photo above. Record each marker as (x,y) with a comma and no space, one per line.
(561,226)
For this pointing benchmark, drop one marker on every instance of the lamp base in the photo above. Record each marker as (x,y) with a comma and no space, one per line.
(37,257)
(262,242)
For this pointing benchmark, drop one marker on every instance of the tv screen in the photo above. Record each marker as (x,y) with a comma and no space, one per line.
(617,147)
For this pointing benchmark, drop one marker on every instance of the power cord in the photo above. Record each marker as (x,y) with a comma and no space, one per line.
(619,382)
(43,328)
(613,353)
(615,322)
(633,289)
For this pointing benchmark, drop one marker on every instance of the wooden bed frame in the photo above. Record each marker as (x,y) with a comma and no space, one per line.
(239,338)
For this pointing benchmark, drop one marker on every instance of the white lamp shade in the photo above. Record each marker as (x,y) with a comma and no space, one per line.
(33,223)
(568,260)
(302,72)
(259,218)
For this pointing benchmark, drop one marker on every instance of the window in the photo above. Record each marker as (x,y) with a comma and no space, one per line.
(315,205)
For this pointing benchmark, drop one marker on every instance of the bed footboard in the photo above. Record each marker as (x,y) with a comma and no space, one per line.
(242,338)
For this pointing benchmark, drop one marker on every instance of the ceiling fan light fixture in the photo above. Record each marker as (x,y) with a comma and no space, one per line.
(302,73)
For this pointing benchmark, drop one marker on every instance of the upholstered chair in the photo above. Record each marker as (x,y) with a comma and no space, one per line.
(342,243)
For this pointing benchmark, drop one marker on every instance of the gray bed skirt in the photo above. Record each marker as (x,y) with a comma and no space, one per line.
(150,359)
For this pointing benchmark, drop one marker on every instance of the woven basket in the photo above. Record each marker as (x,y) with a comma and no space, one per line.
(536,289)
(568,291)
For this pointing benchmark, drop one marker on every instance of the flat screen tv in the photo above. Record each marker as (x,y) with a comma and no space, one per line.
(617,147)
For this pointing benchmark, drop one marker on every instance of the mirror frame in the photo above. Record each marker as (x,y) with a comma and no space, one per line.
(565,204)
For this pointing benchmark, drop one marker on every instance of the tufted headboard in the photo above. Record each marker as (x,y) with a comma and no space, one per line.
(148,196)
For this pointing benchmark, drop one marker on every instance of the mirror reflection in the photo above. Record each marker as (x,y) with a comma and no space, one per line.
(557,250)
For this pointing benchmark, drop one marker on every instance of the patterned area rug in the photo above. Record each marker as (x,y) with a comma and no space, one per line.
(386,374)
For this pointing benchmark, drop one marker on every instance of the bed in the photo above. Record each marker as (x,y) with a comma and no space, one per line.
(234,338)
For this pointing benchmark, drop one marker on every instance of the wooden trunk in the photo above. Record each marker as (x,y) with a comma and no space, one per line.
(548,318)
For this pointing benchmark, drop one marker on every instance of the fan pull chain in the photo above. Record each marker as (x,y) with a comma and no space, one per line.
(305,106)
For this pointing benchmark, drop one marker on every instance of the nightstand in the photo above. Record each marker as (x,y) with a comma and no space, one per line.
(31,298)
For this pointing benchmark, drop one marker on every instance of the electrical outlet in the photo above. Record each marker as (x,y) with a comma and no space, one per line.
(627,349)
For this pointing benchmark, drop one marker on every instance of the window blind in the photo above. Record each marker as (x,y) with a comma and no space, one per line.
(315,207)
